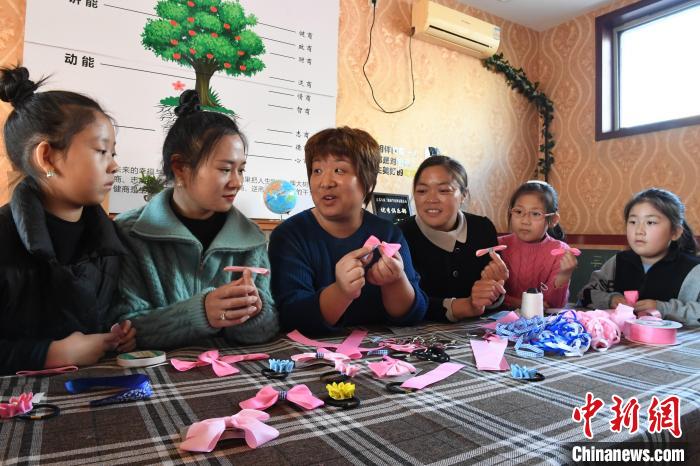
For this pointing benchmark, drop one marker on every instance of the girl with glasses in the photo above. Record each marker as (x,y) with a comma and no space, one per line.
(534,222)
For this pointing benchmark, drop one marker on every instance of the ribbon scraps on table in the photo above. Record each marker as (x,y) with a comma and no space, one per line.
(203,436)
(603,330)
(349,347)
(52,371)
(222,365)
(419,382)
(267,396)
(483,252)
(561,334)
(136,387)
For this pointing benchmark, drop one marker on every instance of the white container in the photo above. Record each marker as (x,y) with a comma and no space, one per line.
(532,304)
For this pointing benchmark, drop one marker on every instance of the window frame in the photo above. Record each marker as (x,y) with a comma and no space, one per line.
(607,73)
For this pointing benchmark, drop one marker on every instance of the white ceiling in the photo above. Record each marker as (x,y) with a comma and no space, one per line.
(537,14)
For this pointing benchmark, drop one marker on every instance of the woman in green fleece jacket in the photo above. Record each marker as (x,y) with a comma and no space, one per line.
(173,285)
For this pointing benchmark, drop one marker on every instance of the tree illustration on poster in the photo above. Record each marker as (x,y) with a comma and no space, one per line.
(209,36)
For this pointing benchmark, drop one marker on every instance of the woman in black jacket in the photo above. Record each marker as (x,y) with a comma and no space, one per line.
(59,260)
(444,241)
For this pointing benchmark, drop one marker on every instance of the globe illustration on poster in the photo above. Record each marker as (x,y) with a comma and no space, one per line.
(280,196)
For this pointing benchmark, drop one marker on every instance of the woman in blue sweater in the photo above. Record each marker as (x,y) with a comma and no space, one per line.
(323,278)
(173,284)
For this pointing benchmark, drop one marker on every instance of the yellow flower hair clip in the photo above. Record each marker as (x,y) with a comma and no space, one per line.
(341,391)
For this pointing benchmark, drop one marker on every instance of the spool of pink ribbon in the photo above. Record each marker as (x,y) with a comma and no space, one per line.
(652,331)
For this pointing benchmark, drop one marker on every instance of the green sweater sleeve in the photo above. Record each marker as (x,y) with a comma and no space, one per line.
(158,327)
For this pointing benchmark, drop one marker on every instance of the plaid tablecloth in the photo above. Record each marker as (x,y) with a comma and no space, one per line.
(472,417)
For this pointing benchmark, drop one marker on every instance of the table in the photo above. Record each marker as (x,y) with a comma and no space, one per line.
(472,417)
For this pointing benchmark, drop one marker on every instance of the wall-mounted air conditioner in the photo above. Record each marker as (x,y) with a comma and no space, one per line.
(450,28)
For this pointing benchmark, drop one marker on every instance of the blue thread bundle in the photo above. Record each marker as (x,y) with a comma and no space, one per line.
(561,334)
(522,372)
(281,365)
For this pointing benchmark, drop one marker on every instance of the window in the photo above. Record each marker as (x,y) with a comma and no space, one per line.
(647,68)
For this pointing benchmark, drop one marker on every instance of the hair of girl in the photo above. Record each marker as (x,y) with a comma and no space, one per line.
(453,167)
(549,198)
(51,116)
(195,133)
(670,205)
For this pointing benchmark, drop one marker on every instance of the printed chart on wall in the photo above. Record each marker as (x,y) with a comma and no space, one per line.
(271,63)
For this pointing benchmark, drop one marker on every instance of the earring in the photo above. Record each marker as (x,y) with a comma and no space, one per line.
(50,173)
(179,184)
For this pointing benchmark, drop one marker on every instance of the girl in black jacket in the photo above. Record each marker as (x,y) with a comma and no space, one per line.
(59,259)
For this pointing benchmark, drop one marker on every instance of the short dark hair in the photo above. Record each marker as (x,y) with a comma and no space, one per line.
(670,205)
(453,167)
(52,116)
(195,133)
(549,198)
(355,144)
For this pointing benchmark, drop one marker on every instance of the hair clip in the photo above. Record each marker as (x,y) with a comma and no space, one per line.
(51,411)
(342,395)
(395,387)
(525,374)
(433,353)
(279,369)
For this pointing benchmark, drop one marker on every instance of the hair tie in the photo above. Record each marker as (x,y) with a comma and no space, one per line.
(16,87)
(189,103)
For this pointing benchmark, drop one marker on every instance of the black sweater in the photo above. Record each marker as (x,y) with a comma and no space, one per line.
(42,300)
(449,274)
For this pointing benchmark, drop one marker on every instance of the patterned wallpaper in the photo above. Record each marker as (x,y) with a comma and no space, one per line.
(470,114)
(595,179)
(11,45)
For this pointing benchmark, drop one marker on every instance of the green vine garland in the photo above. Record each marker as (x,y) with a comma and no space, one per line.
(517,79)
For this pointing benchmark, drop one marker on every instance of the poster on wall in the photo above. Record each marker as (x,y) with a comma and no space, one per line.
(271,63)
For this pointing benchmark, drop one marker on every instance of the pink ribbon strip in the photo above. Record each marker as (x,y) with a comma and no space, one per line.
(204,435)
(632,296)
(488,353)
(55,370)
(483,252)
(240,268)
(561,251)
(305,358)
(17,405)
(510,317)
(390,367)
(296,336)
(220,364)
(351,344)
(389,249)
(267,396)
(441,372)
(621,315)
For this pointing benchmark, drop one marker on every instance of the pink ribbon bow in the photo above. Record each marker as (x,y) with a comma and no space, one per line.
(390,367)
(306,358)
(17,405)
(561,251)
(389,249)
(483,252)
(204,435)
(267,396)
(344,368)
(220,364)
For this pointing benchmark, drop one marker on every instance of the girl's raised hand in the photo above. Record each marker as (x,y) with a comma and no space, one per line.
(496,269)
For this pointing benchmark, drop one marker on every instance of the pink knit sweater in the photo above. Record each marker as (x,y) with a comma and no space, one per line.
(531,264)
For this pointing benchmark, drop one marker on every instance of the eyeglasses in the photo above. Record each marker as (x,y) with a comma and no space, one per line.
(535,215)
